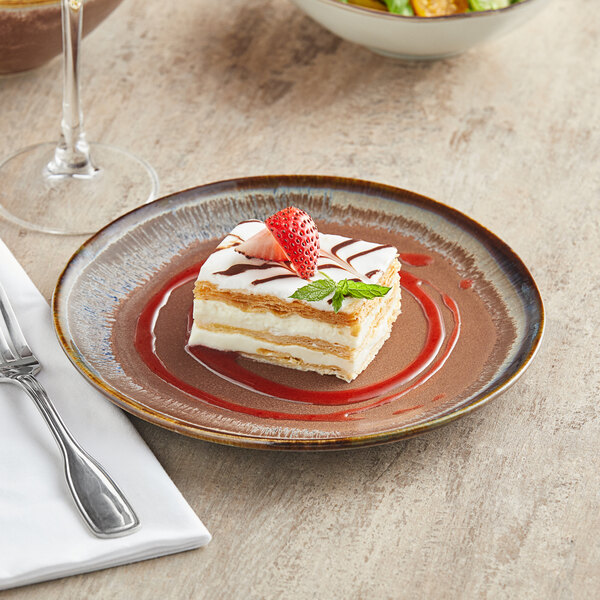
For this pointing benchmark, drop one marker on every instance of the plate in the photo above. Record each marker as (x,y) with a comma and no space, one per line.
(472,319)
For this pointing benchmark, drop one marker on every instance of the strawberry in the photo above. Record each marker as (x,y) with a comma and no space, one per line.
(297,234)
(292,235)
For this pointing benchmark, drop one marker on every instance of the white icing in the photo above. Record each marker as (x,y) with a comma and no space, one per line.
(225,256)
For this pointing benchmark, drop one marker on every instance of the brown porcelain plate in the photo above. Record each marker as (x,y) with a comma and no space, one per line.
(472,319)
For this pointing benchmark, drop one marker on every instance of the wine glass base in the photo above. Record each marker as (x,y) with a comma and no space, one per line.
(73,204)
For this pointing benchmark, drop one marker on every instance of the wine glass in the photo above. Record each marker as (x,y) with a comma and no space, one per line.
(72,187)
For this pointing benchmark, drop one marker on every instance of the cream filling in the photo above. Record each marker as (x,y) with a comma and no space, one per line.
(213,312)
(238,342)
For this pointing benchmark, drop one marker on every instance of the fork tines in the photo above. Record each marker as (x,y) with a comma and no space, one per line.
(12,341)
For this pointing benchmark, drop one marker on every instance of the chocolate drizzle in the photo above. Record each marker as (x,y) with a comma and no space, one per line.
(243,267)
(273,278)
(347,263)
(329,259)
(365,252)
(332,266)
(341,245)
(233,244)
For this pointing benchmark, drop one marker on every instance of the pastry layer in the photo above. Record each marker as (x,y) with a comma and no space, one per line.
(272,315)
(243,304)
(294,352)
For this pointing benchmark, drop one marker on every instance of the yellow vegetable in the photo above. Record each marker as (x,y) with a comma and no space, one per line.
(439,8)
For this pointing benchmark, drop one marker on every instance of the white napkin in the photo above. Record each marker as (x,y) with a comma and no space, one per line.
(42,535)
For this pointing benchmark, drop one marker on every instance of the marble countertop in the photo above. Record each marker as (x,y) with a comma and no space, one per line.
(500,504)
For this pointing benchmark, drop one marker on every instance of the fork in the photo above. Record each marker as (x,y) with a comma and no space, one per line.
(99,500)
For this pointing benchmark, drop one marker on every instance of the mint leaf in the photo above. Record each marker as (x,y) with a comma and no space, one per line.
(336,301)
(342,287)
(358,289)
(321,288)
(314,291)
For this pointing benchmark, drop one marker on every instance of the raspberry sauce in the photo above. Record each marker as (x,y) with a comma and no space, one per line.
(350,403)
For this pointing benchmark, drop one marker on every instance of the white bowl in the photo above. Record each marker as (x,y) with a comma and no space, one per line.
(417,37)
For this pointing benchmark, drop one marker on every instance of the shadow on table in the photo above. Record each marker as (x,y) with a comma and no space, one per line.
(288,59)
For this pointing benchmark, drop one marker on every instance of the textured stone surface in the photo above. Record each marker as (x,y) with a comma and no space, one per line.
(502,504)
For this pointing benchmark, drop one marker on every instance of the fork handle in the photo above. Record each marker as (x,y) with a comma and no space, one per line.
(100,501)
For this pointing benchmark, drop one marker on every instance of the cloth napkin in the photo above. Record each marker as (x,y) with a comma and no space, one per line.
(42,536)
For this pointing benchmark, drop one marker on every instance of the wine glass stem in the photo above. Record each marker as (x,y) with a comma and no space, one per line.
(72,155)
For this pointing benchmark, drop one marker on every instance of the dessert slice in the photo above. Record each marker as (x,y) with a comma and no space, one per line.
(282,293)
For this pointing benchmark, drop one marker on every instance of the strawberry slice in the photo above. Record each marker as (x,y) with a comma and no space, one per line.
(292,235)
(262,245)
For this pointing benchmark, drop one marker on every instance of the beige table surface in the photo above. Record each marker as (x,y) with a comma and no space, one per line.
(504,503)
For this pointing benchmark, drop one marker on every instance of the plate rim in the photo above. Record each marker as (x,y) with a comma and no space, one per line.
(247,441)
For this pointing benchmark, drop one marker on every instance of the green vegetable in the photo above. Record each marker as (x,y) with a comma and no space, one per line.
(321,288)
(489,4)
(400,7)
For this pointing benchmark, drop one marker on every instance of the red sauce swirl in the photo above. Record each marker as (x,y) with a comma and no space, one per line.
(436,349)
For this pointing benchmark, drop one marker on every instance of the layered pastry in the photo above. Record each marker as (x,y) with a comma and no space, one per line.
(280,292)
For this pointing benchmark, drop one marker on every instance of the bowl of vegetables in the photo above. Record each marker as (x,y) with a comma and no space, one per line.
(420,29)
